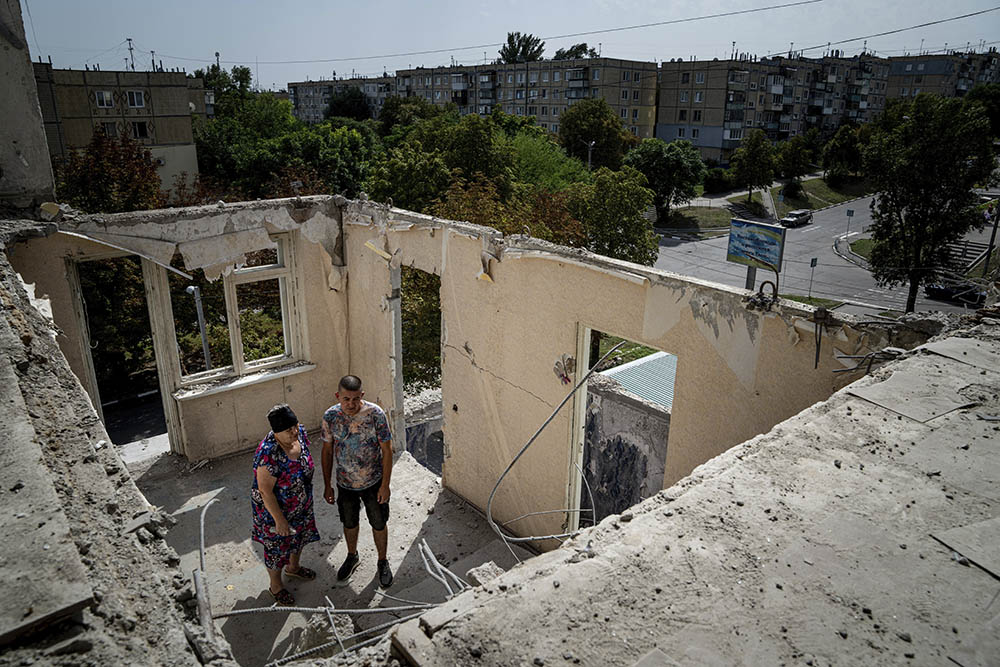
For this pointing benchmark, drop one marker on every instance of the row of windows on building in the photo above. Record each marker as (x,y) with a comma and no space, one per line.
(105,99)
(137,129)
(520,77)
(698,97)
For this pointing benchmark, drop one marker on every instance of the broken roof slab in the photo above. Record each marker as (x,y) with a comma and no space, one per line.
(811,543)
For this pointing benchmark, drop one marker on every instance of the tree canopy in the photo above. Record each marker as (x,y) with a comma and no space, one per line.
(988,94)
(576,51)
(842,154)
(521,48)
(593,120)
(611,211)
(109,176)
(753,162)
(793,157)
(924,158)
(671,170)
(412,177)
(350,103)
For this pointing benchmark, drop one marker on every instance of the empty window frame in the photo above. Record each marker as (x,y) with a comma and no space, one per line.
(260,315)
(140,130)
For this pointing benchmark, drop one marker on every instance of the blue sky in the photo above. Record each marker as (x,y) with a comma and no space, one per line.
(184,33)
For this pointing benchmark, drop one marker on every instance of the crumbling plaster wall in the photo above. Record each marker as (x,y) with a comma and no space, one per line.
(740,371)
(219,420)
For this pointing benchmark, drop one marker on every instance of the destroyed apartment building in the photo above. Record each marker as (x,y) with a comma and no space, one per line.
(798,511)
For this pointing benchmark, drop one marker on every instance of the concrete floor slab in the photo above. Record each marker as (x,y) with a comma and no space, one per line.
(237,579)
(38,547)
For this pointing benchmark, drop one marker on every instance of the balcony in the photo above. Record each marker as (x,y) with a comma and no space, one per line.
(775,106)
(486,85)
(460,97)
(577,83)
(486,95)
(459,85)
(577,93)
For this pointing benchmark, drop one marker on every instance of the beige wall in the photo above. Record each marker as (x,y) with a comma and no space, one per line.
(176,160)
(739,371)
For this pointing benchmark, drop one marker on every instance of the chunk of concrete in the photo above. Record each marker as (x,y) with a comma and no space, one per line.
(486,572)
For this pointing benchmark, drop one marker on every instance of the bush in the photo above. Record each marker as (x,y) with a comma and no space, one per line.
(793,190)
(718,180)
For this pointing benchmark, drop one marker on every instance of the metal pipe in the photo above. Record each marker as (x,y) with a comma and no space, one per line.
(201,544)
(316,610)
(196,291)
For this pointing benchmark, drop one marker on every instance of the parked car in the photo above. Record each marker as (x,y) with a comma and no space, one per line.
(798,217)
(968,293)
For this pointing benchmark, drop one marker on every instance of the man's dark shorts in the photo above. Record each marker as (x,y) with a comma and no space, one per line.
(349,507)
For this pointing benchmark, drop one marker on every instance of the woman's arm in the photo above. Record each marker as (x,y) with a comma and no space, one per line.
(265,483)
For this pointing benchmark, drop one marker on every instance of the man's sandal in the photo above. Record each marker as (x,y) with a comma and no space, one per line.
(282,597)
(301,573)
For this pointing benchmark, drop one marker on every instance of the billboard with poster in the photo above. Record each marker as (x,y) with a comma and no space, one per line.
(756,244)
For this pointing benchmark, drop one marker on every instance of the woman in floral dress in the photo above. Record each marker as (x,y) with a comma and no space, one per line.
(282,500)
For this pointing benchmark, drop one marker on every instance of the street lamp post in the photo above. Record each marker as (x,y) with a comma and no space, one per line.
(590,149)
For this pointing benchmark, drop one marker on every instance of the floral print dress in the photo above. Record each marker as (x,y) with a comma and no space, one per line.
(294,492)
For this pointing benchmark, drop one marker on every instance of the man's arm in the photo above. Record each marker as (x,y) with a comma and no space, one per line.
(383,490)
(327,436)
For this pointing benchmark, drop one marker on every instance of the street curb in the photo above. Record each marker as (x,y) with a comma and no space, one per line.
(848,201)
(850,255)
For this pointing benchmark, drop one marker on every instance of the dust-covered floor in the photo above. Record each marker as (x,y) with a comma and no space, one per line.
(420,510)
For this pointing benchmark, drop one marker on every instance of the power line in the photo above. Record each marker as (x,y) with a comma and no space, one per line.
(491,45)
(31,21)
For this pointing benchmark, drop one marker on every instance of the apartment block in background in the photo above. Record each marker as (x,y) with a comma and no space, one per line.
(948,75)
(310,99)
(714,103)
(155,108)
(543,89)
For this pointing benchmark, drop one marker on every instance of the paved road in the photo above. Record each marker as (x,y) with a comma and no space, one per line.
(834,277)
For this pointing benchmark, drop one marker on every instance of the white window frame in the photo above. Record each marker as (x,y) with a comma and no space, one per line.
(699,77)
(697,96)
(556,76)
(597,74)
(286,272)
(684,96)
(135,96)
(695,132)
(104,99)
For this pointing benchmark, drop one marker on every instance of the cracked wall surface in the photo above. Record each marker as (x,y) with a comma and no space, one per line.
(510,306)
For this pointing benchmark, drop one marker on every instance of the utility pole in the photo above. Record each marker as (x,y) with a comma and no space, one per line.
(217,61)
(130,54)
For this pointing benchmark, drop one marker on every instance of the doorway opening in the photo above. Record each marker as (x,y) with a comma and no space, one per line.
(121,349)
(625,425)
(420,315)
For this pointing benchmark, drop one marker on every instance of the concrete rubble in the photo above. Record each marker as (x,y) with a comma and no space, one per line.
(824,541)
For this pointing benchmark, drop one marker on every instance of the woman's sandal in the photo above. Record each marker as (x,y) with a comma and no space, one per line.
(301,573)
(282,597)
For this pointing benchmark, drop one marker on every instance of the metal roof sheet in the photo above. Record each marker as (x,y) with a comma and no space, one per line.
(651,377)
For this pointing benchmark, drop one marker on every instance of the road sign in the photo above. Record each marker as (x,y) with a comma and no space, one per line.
(756,244)
(850,213)
(812,262)
(812,272)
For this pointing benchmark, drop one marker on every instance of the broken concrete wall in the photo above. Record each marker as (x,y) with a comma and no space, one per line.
(625,447)
(739,370)
(25,169)
(223,416)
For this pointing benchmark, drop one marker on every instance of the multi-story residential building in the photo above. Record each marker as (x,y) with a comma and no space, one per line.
(950,74)
(154,108)
(543,89)
(713,103)
(310,99)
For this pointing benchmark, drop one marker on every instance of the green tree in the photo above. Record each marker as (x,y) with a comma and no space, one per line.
(988,94)
(793,158)
(593,122)
(575,52)
(842,154)
(753,162)
(611,211)
(420,308)
(541,162)
(924,158)
(109,176)
(350,103)
(404,111)
(521,48)
(671,170)
(411,177)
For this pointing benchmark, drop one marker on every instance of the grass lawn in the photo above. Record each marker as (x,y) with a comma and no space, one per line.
(699,190)
(698,217)
(862,247)
(819,302)
(820,189)
(783,207)
(892,314)
(628,352)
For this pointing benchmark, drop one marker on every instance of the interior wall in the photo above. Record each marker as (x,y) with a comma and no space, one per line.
(220,422)
(739,371)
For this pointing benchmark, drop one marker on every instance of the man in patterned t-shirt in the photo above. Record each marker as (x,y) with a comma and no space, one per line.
(356,434)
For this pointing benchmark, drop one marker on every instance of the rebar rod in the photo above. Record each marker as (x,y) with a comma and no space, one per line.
(333,626)
(316,610)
